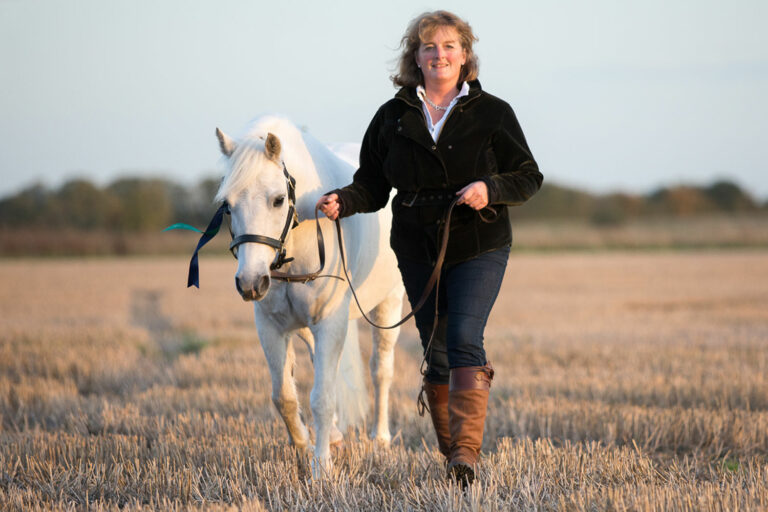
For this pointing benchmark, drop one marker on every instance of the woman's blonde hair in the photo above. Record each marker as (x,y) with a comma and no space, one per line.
(421,28)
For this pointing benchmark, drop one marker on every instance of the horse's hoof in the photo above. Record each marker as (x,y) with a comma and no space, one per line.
(321,467)
(337,447)
(382,441)
(336,437)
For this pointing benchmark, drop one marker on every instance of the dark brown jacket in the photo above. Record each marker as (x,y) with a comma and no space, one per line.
(480,140)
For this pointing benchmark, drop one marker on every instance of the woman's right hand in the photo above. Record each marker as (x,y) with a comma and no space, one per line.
(329,205)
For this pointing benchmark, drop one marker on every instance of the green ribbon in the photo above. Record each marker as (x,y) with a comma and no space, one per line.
(193,278)
(181,225)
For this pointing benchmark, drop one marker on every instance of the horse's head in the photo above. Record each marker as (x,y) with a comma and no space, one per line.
(259,197)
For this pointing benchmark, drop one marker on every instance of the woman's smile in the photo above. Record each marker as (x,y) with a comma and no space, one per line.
(441,56)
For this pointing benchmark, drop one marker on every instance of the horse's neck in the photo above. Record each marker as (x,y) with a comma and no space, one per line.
(321,172)
(305,205)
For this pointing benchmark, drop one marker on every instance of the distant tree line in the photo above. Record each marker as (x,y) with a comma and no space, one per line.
(558,202)
(141,204)
(127,205)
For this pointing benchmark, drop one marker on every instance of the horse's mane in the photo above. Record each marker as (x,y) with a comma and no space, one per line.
(249,157)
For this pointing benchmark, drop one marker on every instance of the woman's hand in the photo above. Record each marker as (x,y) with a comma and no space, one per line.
(329,205)
(474,195)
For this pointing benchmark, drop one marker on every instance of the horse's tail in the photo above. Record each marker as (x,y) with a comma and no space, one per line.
(351,392)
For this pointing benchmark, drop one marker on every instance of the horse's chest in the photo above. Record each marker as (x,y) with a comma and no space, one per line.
(296,305)
(280,307)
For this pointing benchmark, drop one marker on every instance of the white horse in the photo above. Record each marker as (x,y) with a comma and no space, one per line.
(319,312)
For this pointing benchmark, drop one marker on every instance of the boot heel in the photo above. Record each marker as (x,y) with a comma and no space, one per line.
(467,405)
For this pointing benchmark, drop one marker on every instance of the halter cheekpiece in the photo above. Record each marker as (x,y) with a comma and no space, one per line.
(291,221)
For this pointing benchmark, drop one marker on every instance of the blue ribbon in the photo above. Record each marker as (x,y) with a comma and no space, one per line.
(213,228)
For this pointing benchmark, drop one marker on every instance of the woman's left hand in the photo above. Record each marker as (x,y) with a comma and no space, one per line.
(474,195)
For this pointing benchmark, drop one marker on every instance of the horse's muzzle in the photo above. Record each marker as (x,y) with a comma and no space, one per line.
(252,290)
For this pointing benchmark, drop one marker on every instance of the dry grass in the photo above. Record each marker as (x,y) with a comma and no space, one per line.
(624,381)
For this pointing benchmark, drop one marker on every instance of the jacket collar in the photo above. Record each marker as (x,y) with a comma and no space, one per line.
(409,96)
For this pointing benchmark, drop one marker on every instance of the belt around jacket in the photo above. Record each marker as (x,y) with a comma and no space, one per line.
(427,198)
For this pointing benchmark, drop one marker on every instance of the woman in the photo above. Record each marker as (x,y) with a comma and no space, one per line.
(439,138)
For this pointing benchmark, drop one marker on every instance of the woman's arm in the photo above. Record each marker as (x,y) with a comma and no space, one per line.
(518,176)
(369,190)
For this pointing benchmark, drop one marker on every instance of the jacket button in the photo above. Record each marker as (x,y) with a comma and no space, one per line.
(450,147)
(434,148)
(399,128)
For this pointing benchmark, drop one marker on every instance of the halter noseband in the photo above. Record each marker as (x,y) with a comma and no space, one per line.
(291,221)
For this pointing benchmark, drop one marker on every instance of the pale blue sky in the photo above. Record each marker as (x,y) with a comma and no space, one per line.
(625,95)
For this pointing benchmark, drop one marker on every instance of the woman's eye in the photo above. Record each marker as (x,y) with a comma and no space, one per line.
(278,201)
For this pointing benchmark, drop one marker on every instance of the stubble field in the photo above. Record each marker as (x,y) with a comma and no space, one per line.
(624,380)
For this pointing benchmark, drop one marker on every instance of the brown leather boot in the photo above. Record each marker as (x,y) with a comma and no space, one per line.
(467,404)
(437,398)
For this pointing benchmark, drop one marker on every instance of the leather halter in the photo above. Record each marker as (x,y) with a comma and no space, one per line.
(291,221)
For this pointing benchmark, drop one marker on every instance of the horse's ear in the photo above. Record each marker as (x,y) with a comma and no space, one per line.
(272,147)
(226,144)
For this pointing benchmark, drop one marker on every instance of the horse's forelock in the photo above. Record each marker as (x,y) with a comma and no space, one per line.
(245,163)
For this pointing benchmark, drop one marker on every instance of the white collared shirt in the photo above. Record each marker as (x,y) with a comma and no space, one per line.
(434,128)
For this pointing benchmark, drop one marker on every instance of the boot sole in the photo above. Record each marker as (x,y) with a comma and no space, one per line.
(462,473)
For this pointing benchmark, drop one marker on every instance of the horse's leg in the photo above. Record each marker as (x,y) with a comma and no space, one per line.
(329,339)
(278,350)
(382,361)
(305,334)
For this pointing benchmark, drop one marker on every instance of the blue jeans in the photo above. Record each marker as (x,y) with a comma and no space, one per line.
(467,292)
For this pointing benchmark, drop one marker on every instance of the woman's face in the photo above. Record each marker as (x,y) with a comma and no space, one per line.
(441,56)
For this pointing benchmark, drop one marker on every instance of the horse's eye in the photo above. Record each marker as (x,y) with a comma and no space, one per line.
(278,201)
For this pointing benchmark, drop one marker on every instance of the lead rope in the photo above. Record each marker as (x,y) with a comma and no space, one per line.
(304,278)
(434,278)
(432,283)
